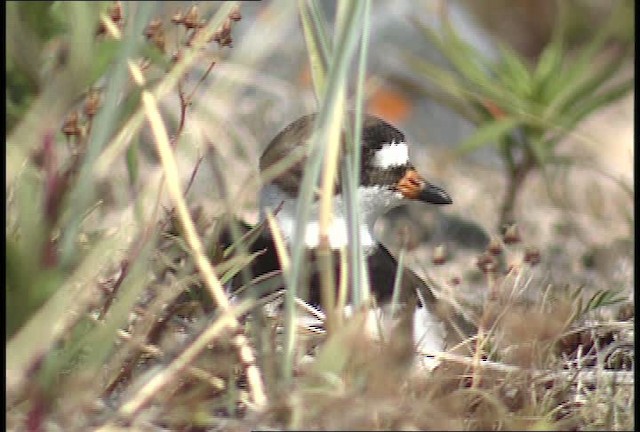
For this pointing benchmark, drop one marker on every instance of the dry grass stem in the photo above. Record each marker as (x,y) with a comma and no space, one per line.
(207,272)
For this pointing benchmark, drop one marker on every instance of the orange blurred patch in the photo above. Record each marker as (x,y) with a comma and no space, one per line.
(494,109)
(389,104)
(305,79)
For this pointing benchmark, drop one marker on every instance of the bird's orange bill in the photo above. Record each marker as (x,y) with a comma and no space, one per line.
(413,186)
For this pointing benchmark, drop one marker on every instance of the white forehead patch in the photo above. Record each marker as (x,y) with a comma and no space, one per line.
(392,154)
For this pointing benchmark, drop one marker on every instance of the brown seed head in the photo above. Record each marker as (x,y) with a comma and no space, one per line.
(532,255)
(70,126)
(512,235)
(228,41)
(92,103)
(176,56)
(152,28)
(487,263)
(155,33)
(454,281)
(495,246)
(439,255)
(177,18)
(115,12)
(192,18)
(235,15)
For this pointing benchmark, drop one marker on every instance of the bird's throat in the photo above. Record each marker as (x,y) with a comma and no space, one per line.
(374,201)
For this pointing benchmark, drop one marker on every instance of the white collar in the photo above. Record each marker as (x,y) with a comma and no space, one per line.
(374,201)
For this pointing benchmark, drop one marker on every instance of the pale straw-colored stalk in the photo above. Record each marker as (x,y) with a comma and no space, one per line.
(331,96)
(227,319)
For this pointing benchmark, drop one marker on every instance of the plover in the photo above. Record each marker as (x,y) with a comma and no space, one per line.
(387,179)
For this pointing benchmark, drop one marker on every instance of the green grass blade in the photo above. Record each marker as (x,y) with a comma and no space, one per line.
(320,24)
(326,120)
(583,64)
(550,62)
(318,56)
(573,95)
(514,72)
(598,101)
(397,282)
(444,79)
(467,60)
(104,124)
(48,325)
(358,267)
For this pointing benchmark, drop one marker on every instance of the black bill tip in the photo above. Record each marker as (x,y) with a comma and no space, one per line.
(434,195)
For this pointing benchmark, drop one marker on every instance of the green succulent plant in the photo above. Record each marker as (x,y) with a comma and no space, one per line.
(525,110)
